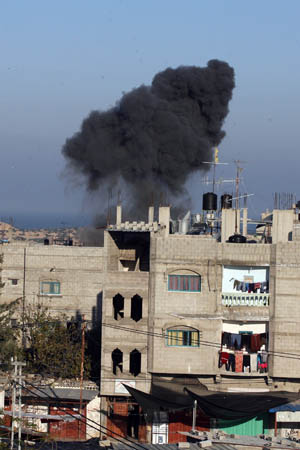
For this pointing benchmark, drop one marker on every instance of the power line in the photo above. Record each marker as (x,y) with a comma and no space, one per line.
(202,342)
(198,342)
(84,417)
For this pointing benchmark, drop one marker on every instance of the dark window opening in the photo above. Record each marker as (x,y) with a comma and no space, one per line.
(135,362)
(118,304)
(14,281)
(117,360)
(136,308)
(134,250)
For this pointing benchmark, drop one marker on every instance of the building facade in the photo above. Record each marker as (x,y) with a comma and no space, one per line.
(174,305)
(65,279)
(226,314)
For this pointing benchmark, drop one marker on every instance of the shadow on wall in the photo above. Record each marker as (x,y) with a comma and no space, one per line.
(93,339)
(93,336)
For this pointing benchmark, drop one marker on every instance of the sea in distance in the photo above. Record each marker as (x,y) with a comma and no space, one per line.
(31,221)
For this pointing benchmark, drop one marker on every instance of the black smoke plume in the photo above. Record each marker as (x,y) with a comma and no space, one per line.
(155,136)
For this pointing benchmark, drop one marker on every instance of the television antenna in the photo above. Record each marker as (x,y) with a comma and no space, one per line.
(215,163)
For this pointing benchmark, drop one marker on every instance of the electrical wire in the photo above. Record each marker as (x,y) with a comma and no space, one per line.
(198,342)
(75,416)
(201,342)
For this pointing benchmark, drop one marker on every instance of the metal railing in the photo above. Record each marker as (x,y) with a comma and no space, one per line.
(244,299)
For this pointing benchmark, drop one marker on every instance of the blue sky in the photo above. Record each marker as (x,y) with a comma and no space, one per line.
(62,59)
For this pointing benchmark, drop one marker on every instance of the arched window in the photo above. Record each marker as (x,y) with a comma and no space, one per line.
(117,361)
(135,362)
(136,312)
(184,281)
(118,305)
(183,337)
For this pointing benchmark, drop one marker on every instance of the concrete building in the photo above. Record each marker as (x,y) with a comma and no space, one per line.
(194,301)
(66,280)
(180,304)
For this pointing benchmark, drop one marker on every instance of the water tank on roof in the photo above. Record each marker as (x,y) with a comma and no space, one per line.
(226,201)
(237,239)
(210,201)
(46,241)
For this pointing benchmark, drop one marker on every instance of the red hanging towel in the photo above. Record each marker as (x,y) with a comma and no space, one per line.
(238,361)
(255,342)
(224,357)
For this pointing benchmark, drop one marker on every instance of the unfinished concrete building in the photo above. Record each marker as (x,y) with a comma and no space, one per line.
(181,302)
(198,302)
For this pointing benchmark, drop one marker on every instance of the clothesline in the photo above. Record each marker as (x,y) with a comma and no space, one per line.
(261,286)
(251,342)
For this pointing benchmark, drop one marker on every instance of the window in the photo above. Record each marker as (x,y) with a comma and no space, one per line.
(118,305)
(184,283)
(136,312)
(135,360)
(183,338)
(117,361)
(14,281)
(50,288)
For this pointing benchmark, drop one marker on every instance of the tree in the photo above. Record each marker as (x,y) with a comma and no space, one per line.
(53,346)
(9,337)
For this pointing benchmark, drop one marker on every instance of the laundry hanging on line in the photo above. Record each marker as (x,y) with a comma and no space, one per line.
(259,287)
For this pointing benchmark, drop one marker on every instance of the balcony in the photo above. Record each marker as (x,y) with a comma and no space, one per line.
(231,299)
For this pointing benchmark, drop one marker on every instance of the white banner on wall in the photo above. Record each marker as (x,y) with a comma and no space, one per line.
(120,389)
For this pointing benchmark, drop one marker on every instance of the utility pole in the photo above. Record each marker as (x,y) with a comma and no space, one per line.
(82,360)
(81,369)
(16,393)
(194,417)
(24,299)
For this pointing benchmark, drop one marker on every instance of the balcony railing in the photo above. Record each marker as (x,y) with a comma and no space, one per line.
(244,299)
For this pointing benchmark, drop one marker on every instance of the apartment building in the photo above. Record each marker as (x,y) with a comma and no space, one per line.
(212,308)
(180,305)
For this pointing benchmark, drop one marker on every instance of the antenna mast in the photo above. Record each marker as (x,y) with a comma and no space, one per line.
(237,184)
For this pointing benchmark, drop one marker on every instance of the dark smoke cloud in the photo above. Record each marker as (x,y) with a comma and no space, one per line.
(155,136)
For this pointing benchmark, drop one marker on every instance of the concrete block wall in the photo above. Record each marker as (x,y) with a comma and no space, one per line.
(203,310)
(285,313)
(183,254)
(78,269)
(125,334)
(202,360)
(244,254)
(112,252)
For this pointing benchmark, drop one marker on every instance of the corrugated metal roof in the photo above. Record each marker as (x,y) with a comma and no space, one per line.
(67,393)
(94,444)
(64,417)
(192,446)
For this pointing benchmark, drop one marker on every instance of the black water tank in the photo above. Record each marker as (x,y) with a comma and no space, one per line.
(226,201)
(237,239)
(70,242)
(46,241)
(210,201)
